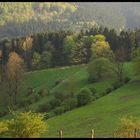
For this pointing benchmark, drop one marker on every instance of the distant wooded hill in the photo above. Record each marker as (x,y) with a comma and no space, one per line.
(22,19)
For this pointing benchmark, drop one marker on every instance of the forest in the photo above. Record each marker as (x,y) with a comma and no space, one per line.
(22,19)
(62,48)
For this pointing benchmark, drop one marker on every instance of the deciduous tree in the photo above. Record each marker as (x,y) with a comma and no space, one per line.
(14,74)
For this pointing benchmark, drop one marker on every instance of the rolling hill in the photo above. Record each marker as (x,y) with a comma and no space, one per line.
(101,115)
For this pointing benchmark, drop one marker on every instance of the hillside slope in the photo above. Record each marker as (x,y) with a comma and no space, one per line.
(102,115)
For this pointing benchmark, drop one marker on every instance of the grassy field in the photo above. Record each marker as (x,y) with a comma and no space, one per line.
(46,79)
(101,115)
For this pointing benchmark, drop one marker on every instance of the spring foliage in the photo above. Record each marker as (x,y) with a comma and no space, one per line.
(3,127)
(127,127)
(101,48)
(136,60)
(97,69)
(24,125)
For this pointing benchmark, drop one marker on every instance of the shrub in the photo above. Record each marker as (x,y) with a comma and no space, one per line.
(36,97)
(93,98)
(108,90)
(42,92)
(60,95)
(27,108)
(59,110)
(31,91)
(93,90)
(92,79)
(57,82)
(103,93)
(54,102)
(127,79)
(98,95)
(3,128)
(3,112)
(27,125)
(69,104)
(84,97)
(99,68)
(127,126)
(44,107)
(49,115)
(117,84)
(25,102)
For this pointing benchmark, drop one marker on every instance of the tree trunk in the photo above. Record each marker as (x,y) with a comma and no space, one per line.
(16,91)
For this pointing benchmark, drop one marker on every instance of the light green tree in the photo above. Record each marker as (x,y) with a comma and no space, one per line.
(99,68)
(136,60)
(78,54)
(101,48)
(68,44)
(3,128)
(127,126)
(27,125)
(36,60)
(46,59)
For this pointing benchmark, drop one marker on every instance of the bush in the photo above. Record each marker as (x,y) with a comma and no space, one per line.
(57,82)
(49,115)
(98,95)
(93,90)
(42,92)
(3,128)
(99,68)
(92,79)
(108,90)
(127,79)
(60,95)
(25,102)
(34,97)
(27,125)
(117,84)
(93,98)
(54,102)
(3,112)
(31,91)
(103,93)
(59,110)
(69,104)
(84,97)
(44,107)
(127,126)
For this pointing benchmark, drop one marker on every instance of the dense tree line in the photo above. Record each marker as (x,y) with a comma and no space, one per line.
(62,48)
